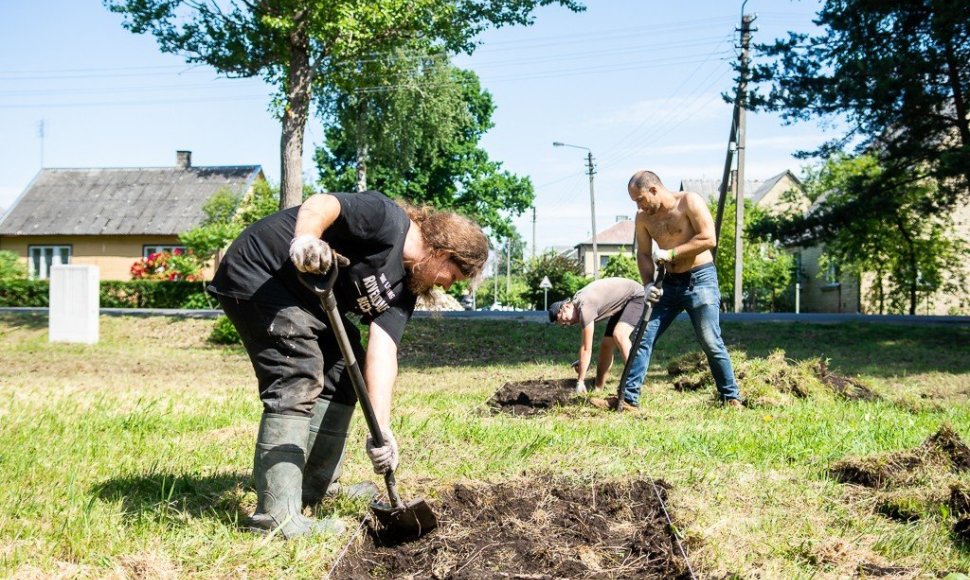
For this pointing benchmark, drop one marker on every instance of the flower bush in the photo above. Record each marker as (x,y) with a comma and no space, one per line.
(178,265)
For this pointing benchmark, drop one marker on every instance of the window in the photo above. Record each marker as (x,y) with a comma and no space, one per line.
(41,258)
(149,250)
(603,261)
(832,274)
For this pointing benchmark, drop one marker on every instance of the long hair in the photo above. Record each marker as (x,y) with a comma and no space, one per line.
(450,234)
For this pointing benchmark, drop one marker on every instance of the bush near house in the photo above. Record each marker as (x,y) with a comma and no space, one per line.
(114,294)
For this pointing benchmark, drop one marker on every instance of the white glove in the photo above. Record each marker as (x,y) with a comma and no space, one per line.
(652,294)
(311,254)
(662,256)
(385,458)
(580,387)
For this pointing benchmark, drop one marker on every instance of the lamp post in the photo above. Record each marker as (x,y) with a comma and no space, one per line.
(592,201)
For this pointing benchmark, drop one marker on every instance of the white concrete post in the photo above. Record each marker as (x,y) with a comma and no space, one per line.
(74,304)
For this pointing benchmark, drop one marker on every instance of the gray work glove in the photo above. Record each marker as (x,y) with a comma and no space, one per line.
(311,254)
(651,293)
(384,458)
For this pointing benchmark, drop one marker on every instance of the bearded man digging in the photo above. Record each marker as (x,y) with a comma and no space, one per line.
(390,254)
(681,225)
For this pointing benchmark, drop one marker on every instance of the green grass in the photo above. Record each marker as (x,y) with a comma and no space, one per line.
(132,457)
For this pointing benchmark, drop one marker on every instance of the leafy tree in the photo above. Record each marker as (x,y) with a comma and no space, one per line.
(442,163)
(296,45)
(897,72)
(11,268)
(621,266)
(911,251)
(768,267)
(226,215)
(565,275)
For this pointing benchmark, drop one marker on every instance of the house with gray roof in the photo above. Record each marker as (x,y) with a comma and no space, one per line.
(616,239)
(112,217)
(776,194)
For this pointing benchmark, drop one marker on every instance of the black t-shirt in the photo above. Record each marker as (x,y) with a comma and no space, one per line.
(369,232)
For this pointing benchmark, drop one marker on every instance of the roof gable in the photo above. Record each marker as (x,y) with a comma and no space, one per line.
(620,233)
(141,201)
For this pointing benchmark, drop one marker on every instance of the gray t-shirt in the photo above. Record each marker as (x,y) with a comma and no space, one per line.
(604,298)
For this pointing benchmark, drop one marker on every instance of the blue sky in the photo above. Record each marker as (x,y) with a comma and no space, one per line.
(636,81)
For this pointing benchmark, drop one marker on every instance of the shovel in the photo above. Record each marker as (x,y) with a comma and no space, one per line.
(403,520)
(644,318)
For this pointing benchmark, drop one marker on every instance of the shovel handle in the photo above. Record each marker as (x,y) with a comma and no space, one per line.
(322,286)
(644,319)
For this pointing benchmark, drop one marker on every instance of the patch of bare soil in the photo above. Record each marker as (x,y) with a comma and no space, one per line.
(771,380)
(545,528)
(532,397)
(917,484)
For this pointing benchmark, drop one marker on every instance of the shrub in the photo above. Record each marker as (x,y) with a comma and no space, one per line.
(224,332)
(11,268)
(24,293)
(170,266)
(146,293)
(564,273)
(621,266)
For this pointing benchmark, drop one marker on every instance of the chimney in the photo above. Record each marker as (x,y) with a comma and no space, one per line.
(183,159)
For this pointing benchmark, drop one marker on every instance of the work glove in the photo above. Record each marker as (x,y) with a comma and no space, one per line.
(662,256)
(384,458)
(652,294)
(580,387)
(311,254)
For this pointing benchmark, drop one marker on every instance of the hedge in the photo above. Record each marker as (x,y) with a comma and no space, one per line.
(114,294)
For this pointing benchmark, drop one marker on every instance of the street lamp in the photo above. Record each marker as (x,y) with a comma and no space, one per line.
(592,202)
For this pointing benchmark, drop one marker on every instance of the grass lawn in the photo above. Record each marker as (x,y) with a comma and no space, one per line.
(132,457)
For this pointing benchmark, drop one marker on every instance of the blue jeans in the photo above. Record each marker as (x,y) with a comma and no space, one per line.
(697,293)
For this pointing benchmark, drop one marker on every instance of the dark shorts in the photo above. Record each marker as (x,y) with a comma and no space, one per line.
(630,314)
(295,355)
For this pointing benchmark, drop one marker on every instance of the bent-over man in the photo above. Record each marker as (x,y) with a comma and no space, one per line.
(618,299)
(394,253)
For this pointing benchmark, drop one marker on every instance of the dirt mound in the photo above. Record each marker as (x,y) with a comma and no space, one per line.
(772,380)
(942,451)
(545,528)
(531,397)
(927,482)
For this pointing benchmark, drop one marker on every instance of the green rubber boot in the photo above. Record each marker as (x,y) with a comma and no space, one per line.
(278,471)
(325,453)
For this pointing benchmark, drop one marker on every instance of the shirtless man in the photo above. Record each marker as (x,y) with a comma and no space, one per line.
(681,225)
(618,299)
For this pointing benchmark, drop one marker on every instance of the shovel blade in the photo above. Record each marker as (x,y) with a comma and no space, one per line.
(413,520)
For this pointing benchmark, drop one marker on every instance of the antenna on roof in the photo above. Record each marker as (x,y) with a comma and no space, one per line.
(40,134)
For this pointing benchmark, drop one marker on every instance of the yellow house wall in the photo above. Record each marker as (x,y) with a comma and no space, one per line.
(603,251)
(817,295)
(113,255)
(775,200)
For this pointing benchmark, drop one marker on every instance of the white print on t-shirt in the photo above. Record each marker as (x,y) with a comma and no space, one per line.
(372,302)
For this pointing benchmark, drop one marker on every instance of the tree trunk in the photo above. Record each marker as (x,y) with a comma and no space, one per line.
(913,269)
(298,93)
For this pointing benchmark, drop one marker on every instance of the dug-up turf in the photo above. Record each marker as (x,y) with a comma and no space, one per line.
(922,483)
(770,381)
(532,397)
(537,529)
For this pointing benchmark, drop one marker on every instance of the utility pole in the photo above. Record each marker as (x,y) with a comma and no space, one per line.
(746,21)
(592,212)
(508,267)
(592,202)
(533,232)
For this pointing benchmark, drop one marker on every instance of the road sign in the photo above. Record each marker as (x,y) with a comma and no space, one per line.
(545,284)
